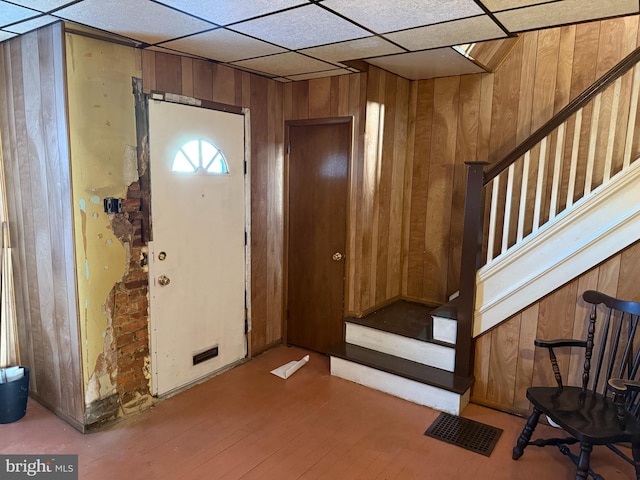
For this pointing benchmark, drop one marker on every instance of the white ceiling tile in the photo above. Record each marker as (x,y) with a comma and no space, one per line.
(466,30)
(353,49)
(224,12)
(387,16)
(285,64)
(223,45)
(10,13)
(141,20)
(566,11)
(42,5)
(24,27)
(326,73)
(498,5)
(441,62)
(302,27)
(6,35)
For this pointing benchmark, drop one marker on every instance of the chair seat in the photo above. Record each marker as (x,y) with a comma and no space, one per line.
(587,416)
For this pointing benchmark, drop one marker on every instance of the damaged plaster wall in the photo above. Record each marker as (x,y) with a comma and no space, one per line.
(102,138)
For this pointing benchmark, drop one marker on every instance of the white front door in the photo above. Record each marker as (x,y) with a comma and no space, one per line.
(197,259)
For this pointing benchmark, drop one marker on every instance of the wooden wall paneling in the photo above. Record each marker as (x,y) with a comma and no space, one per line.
(300,110)
(527,77)
(224,88)
(42,280)
(357,101)
(168,75)
(567,46)
(287,100)
(340,94)
(481,366)
(259,212)
(420,180)
(608,275)
(439,210)
(555,320)
(375,251)
(149,70)
(504,362)
(55,164)
(186,71)
(320,98)
(382,253)
(526,357)
(238,88)
(399,140)
(543,101)
(618,37)
(466,150)
(13,142)
(246,89)
(408,182)
(485,118)
(629,268)
(203,80)
(368,202)
(274,220)
(36,160)
(504,114)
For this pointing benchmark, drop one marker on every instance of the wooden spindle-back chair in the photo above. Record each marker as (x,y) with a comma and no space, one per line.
(605,409)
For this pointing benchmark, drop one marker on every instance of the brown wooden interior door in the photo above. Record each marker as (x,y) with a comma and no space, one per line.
(318,167)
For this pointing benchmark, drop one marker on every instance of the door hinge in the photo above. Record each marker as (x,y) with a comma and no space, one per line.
(245,238)
(288,148)
(246,167)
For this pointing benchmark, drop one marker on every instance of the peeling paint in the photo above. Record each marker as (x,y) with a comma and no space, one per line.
(97,70)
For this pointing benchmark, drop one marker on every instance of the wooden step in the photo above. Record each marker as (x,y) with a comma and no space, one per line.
(408,319)
(445,324)
(413,381)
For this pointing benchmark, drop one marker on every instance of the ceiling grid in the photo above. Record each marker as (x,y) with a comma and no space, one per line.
(291,40)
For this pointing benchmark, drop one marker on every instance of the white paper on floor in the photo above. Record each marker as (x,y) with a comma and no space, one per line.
(288,369)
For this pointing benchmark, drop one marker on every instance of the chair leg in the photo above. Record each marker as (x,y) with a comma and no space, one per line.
(525,436)
(635,448)
(583,461)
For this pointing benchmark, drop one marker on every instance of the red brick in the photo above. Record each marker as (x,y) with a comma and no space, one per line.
(136,345)
(135,284)
(125,339)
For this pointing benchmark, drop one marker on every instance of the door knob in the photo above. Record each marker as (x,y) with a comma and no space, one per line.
(164,280)
(337,257)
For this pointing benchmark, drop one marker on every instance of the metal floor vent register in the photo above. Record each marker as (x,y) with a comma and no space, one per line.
(465,433)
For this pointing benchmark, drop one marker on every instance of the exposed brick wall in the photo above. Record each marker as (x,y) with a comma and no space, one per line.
(131,305)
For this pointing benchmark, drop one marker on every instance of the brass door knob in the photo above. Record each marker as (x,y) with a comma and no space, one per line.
(164,280)
(337,257)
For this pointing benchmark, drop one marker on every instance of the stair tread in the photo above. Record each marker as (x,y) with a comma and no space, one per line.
(408,319)
(401,367)
(448,310)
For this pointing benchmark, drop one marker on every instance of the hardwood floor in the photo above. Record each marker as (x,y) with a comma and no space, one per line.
(249,424)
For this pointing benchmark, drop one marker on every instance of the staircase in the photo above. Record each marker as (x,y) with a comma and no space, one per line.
(396,350)
(558,204)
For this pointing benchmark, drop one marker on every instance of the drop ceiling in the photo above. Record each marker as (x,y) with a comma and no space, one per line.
(291,40)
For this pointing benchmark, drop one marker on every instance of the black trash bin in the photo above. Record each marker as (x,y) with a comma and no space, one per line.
(13,398)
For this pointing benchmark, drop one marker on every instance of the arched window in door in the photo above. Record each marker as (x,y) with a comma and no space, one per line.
(200,156)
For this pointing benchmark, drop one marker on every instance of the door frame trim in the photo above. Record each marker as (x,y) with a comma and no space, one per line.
(285,259)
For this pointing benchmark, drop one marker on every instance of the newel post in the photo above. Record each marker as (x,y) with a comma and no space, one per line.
(471,242)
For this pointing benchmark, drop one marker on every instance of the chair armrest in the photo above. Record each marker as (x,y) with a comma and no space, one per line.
(620,386)
(550,345)
(563,342)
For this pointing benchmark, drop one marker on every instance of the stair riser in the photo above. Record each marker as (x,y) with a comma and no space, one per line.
(445,329)
(410,390)
(416,350)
